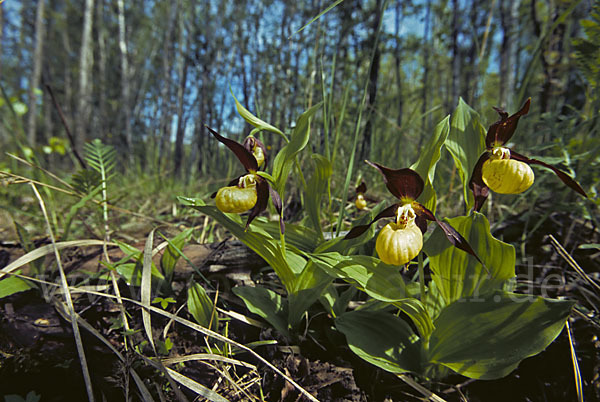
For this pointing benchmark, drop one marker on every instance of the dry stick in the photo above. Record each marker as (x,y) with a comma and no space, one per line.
(67,296)
(47,172)
(212,334)
(66,126)
(424,391)
(576,372)
(563,253)
(586,318)
(191,325)
(146,396)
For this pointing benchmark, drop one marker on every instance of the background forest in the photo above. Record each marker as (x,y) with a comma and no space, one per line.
(146,76)
(105,107)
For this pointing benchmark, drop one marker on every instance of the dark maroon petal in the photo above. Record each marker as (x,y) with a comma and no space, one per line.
(245,157)
(423,212)
(356,231)
(362,188)
(476,184)
(501,131)
(456,239)
(250,143)
(402,183)
(451,234)
(561,175)
(503,114)
(421,222)
(262,199)
(278,207)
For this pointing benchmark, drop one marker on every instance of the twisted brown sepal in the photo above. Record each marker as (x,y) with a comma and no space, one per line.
(476,184)
(501,131)
(404,184)
(565,178)
(451,234)
(356,231)
(245,157)
(262,199)
(251,142)
(278,207)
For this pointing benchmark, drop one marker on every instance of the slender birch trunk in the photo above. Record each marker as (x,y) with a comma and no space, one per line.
(34,81)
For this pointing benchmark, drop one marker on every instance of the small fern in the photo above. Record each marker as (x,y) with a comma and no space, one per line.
(86,180)
(100,157)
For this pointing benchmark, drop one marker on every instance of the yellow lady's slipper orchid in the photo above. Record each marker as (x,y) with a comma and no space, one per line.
(360,202)
(505,175)
(401,241)
(238,199)
(503,170)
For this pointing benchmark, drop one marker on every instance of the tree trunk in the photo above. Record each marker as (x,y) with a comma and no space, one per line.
(165,93)
(181,120)
(68,103)
(182,69)
(34,81)
(425,120)
(1,34)
(365,146)
(125,90)
(397,63)
(102,60)
(85,66)
(551,56)
(455,54)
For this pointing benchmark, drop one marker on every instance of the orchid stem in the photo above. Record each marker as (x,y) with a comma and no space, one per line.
(282,239)
(421,278)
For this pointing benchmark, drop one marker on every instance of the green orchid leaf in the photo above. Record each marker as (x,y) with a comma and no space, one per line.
(285,158)
(12,284)
(466,143)
(427,162)
(317,186)
(299,236)
(418,314)
(457,274)
(172,253)
(379,280)
(266,304)
(382,339)
(253,120)
(261,242)
(201,307)
(308,287)
(296,264)
(487,338)
(434,301)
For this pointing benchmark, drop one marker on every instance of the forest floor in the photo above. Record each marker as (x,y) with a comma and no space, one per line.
(37,351)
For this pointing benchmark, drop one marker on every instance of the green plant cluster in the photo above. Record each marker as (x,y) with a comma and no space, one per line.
(466,319)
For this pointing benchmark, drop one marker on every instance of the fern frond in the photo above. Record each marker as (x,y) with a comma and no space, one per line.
(100,157)
(86,180)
